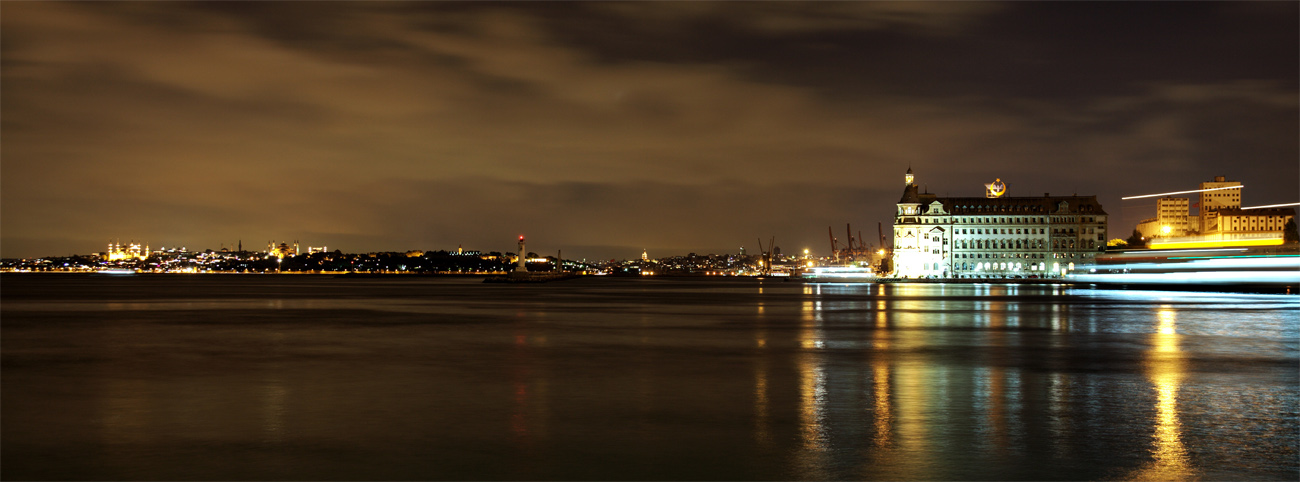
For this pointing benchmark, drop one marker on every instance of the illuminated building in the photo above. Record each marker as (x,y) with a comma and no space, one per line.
(996,236)
(1220,214)
(121,252)
(1213,201)
(1243,221)
(1222,198)
(1172,219)
(282,250)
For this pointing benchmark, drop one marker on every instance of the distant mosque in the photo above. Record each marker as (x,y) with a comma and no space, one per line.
(282,250)
(130,251)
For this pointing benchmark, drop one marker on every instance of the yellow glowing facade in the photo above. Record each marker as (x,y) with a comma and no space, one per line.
(126,252)
(1218,241)
(282,250)
(1172,219)
(1236,220)
(1220,213)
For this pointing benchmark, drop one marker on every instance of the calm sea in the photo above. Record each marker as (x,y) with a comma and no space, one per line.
(310,377)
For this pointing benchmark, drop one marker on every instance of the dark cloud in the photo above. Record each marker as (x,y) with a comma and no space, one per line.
(615,127)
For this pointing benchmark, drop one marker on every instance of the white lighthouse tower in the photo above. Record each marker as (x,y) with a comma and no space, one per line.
(523,255)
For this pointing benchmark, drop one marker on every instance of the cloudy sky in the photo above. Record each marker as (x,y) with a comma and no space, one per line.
(606,128)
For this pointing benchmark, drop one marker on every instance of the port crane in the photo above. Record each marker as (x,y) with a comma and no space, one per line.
(856,249)
(766,266)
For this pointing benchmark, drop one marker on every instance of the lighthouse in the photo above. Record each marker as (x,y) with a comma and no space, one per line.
(522,256)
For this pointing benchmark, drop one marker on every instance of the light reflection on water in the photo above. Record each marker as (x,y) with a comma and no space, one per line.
(1164,366)
(625,379)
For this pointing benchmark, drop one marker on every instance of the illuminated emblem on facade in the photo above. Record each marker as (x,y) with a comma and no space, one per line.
(995,189)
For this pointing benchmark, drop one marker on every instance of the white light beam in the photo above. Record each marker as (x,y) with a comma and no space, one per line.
(1273,206)
(1183,192)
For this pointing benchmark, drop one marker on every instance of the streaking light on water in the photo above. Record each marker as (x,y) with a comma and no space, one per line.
(1193,267)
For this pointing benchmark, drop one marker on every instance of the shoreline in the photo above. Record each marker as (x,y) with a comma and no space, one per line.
(541,276)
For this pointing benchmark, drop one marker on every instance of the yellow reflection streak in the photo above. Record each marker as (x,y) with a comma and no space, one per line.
(274,395)
(762,431)
(882,413)
(884,417)
(1165,367)
(814,446)
(812,406)
(912,386)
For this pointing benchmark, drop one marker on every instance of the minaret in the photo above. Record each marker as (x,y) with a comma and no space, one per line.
(522,256)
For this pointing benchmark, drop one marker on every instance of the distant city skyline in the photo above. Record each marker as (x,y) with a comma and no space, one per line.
(605,129)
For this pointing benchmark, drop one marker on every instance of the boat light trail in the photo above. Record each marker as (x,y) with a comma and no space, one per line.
(1273,206)
(1183,192)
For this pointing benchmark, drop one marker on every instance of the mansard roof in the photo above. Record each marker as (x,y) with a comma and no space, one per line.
(1045,205)
(910,195)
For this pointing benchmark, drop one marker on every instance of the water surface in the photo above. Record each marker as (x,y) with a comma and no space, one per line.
(309,377)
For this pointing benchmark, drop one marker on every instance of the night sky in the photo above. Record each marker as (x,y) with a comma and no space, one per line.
(606,128)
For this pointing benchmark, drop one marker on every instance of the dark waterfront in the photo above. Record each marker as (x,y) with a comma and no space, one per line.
(308,377)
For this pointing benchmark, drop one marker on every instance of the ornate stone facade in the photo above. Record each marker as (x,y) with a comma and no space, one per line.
(1002,237)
